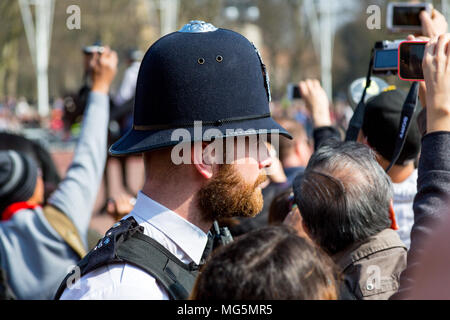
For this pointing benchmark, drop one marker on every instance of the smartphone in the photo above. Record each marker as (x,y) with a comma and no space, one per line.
(410,56)
(404,17)
(293,91)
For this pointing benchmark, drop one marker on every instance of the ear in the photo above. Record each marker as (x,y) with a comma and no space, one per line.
(394,225)
(298,148)
(362,138)
(205,168)
(303,151)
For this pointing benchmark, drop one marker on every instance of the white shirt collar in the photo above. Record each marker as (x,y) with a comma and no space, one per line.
(191,239)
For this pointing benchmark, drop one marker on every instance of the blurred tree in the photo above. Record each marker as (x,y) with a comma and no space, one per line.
(281,31)
(10,35)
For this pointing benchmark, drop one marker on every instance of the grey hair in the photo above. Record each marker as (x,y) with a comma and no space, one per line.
(344,195)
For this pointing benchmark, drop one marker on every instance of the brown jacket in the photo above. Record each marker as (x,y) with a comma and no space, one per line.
(371,269)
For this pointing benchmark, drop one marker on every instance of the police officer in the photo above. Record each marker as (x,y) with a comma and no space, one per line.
(198,87)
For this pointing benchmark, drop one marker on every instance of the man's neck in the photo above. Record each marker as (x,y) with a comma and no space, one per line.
(398,173)
(180,199)
(291,162)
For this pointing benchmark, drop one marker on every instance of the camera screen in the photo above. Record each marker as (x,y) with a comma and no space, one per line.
(411,56)
(407,16)
(294,91)
(386,59)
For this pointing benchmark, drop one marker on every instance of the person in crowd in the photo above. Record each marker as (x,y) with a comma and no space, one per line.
(127,87)
(38,153)
(219,81)
(38,244)
(294,154)
(121,118)
(345,202)
(426,275)
(380,127)
(271,263)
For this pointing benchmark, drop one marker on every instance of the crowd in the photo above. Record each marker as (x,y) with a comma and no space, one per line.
(246,206)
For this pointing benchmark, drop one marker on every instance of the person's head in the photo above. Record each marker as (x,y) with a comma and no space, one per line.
(134,55)
(271,263)
(20,180)
(344,196)
(295,152)
(196,87)
(381,124)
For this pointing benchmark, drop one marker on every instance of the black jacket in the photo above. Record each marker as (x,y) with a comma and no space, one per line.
(430,203)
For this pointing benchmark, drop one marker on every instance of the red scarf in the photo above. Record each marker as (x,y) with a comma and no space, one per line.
(15,207)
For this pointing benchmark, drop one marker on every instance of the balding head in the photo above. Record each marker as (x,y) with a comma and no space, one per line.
(344,196)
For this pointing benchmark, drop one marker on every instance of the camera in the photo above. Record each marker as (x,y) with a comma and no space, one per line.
(410,60)
(404,17)
(293,91)
(386,57)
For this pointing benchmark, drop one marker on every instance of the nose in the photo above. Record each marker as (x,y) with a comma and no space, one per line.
(266,163)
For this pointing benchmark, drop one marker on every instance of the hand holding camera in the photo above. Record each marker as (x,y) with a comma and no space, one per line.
(436,69)
(317,102)
(104,68)
(433,24)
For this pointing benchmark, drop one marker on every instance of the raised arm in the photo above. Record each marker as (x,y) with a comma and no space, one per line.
(433,185)
(318,105)
(76,194)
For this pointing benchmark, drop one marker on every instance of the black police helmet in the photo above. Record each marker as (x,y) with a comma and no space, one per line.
(200,73)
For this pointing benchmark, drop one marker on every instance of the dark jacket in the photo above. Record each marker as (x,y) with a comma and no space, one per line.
(430,203)
(371,269)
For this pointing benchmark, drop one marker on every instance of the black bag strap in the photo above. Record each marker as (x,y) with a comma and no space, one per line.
(126,242)
(357,119)
(144,252)
(409,107)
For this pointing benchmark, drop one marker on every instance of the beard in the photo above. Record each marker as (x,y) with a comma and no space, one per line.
(228,195)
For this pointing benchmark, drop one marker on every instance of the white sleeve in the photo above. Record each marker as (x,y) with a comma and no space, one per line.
(116,282)
(127,88)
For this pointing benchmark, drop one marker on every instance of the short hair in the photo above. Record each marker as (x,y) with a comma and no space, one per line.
(344,196)
(271,263)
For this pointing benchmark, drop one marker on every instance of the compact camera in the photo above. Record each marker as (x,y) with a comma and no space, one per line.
(386,57)
(93,49)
